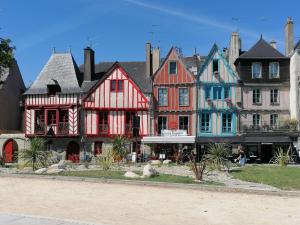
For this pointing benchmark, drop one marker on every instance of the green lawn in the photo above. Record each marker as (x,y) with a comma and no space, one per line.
(287,178)
(119,175)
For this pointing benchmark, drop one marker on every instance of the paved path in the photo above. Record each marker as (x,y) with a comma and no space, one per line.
(11,219)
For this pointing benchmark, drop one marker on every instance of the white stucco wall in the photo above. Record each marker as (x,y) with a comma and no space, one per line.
(294,88)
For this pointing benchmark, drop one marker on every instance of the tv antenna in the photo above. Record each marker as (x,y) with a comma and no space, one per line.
(236,21)
(90,42)
(152,32)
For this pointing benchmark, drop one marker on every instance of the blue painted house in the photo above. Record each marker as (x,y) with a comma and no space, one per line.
(217,99)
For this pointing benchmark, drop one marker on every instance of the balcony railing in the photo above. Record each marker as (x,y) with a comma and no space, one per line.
(103,129)
(266,127)
(40,129)
(63,128)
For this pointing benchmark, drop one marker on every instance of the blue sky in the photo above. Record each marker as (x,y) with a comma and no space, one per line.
(119,29)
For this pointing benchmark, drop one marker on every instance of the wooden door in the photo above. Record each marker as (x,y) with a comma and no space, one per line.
(73,152)
(10,148)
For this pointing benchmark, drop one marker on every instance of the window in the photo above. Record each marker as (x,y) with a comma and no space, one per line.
(256,96)
(274,96)
(183,96)
(226,123)
(103,122)
(274,70)
(129,122)
(274,120)
(64,116)
(172,67)
(162,123)
(51,117)
(256,119)
(227,92)
(256,70)
(217,92)
(116,85)
(39,122)
(215,65)
(162,96)
(207,92)
(184,123)
(53,89)
(205,122)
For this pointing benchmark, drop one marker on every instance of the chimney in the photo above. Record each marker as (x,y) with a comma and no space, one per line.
(155,59)
(234,48)
(148,59)
(289,36)
(89,64)
(273,44)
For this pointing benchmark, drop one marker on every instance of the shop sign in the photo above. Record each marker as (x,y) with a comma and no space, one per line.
(172,133)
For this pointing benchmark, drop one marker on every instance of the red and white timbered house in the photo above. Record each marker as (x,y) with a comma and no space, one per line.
(112,105)
(52,104)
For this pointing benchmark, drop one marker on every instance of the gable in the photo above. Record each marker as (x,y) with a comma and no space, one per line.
(102,96)
(225,75)
(183,75)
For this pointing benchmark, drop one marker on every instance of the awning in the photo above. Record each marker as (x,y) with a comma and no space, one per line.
(169,140)
(233,139)
(264,139)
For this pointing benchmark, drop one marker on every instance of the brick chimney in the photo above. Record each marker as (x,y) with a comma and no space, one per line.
(89,64)
(155,59)
(148,60)
(234,48)
(289,36)
(273,44)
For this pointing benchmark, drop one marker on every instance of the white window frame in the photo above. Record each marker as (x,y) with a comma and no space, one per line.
(167,104)
(270,74)
(188,128)
(260,74)
(272,94)
(260,100)
(172,61)
(272,119)
(259,122)
(188,99)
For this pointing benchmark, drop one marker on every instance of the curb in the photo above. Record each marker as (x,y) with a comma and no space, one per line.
(199,187)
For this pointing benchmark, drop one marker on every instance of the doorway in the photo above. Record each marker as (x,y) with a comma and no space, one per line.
(73,152)
(266,153)
(10,151)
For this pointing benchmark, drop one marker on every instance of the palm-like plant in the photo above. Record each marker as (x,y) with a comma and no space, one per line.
(119,148)
(35,155)
(217,156)
(282,157)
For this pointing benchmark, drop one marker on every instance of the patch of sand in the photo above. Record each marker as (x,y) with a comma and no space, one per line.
(116,204)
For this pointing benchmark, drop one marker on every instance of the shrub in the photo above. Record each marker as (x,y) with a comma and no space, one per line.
(217,156)
(36,156)
(282,157)
(293,124)
(105,161)
(119,148)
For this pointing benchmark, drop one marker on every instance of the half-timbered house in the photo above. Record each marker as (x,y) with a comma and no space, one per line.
(52,105)
(219,99)
(174,95)
(116,102)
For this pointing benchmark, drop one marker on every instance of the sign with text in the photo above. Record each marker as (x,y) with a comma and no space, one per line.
(171,133)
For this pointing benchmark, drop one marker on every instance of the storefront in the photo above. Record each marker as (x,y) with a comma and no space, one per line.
(169,145)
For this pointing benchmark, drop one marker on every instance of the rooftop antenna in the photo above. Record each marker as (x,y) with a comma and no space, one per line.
(195,51)
(152,32)
(70,49)
(90,42)
(53,50)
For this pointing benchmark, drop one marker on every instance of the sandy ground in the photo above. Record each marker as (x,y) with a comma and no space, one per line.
(114,204)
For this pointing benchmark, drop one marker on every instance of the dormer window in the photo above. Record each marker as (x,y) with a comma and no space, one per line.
(274,70)
(215,65)
(256,70)
(52,89)
(172,67)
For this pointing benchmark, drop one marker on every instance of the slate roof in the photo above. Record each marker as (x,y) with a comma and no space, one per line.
(136,70)
(261,49)
(61,68)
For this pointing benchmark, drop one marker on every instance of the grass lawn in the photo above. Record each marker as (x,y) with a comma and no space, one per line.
(287,178)
(119,175)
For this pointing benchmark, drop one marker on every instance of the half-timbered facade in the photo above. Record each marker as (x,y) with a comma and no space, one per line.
(113,104)
(174,95)
(218,99)
(52,105)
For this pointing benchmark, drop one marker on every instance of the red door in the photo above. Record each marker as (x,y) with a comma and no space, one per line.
(73,152)
(9,151)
